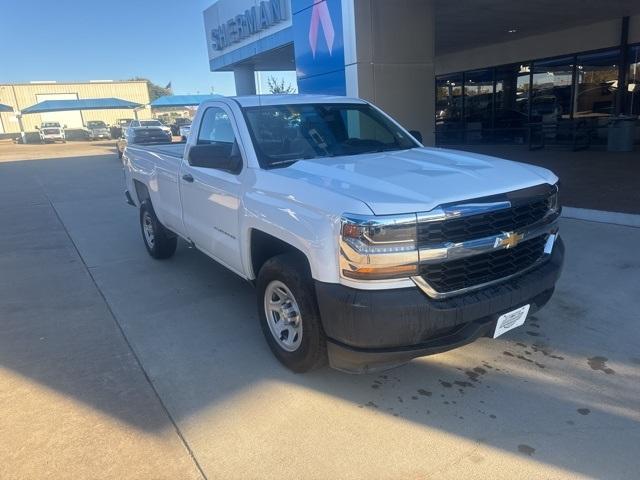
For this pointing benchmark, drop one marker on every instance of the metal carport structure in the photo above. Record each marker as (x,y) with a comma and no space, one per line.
(4,108)
(82,104)
(169,101)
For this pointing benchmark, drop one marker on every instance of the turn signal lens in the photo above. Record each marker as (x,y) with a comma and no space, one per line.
(381,273)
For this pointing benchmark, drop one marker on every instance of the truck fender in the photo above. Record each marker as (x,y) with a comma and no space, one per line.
(312,232)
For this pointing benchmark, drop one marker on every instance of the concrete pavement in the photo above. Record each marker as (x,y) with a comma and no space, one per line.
(192,383)
(75,402)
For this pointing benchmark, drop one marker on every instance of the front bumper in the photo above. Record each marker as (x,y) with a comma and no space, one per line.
(100,135)
(370,330)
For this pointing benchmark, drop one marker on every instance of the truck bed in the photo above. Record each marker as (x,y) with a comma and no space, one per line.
(169,149)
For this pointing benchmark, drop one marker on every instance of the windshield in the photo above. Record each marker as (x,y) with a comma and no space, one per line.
(96,124)
(283,134)
(150,123)
(183,121)
(50,125)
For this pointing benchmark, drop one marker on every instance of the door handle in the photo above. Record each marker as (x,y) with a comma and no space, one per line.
(187,177)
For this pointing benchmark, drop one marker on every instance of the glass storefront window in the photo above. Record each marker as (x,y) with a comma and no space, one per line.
(449,108)
(551,90)
(562,99)
(478,104)
(633,81)
(512,102)
(596,84)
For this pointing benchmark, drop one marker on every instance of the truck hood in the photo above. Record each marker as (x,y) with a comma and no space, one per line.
(416,180)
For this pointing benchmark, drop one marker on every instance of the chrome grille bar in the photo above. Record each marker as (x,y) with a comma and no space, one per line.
(454,251)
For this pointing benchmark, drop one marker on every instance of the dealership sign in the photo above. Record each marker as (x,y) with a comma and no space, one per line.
(254,19)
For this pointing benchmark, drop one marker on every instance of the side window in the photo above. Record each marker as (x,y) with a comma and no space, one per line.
(216,128)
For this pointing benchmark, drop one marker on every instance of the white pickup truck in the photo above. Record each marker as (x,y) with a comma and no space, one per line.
(367,249)
(52,132)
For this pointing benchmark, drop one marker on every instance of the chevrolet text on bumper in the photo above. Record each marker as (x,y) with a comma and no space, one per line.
(367,249)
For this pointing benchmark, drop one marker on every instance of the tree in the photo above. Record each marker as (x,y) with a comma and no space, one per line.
(155,91)
(279,87)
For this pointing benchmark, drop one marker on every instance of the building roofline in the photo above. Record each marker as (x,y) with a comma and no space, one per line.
(109,82)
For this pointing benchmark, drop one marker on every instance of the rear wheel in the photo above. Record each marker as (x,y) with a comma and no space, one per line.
(160,242)
(289,315)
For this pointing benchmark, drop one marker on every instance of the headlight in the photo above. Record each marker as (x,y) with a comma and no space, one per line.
(378,247)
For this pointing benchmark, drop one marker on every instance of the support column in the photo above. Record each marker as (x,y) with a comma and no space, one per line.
(23,135)
(624,67)
(389,57)
(245,79)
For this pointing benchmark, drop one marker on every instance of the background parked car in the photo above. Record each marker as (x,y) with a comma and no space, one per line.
(184,131)
(153,123)
(97,129)
(52,132)
(179,122)
(143,131)
(121,124)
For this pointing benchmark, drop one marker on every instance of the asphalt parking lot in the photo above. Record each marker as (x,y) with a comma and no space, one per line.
(113,365)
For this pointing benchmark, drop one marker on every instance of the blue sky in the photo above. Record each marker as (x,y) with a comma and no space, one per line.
(65,40)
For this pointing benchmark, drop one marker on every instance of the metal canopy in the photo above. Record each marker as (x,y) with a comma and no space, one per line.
(181,100)
(5,108)
(85,104)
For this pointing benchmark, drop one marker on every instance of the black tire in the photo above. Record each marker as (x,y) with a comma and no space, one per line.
(293,271)
(162,244)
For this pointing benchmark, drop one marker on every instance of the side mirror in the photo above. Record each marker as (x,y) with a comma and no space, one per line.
(64,126)
(416,134)
(221,156)
(37,127)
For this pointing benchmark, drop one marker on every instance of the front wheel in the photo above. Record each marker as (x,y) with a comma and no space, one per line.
(289,315)
(160,242)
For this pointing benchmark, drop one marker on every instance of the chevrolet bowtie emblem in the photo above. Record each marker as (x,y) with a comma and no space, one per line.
(510,240)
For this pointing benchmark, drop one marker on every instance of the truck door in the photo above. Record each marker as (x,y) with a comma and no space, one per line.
(211,197)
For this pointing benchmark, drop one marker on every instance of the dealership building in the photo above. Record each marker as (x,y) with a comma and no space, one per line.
(19,96)
(471,71)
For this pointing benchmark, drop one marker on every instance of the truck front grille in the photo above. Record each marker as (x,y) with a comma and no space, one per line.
(471,271)
(462,229)
(465,245)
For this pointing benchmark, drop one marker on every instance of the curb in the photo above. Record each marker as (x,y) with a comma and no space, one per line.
(616,218)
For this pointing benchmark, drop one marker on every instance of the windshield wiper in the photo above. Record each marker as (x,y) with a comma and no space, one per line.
(388,149)
(291,161)
(284,162)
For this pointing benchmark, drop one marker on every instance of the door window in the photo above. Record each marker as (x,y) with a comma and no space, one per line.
(216,128)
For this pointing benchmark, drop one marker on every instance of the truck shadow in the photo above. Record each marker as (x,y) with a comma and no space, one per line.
(193,327)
